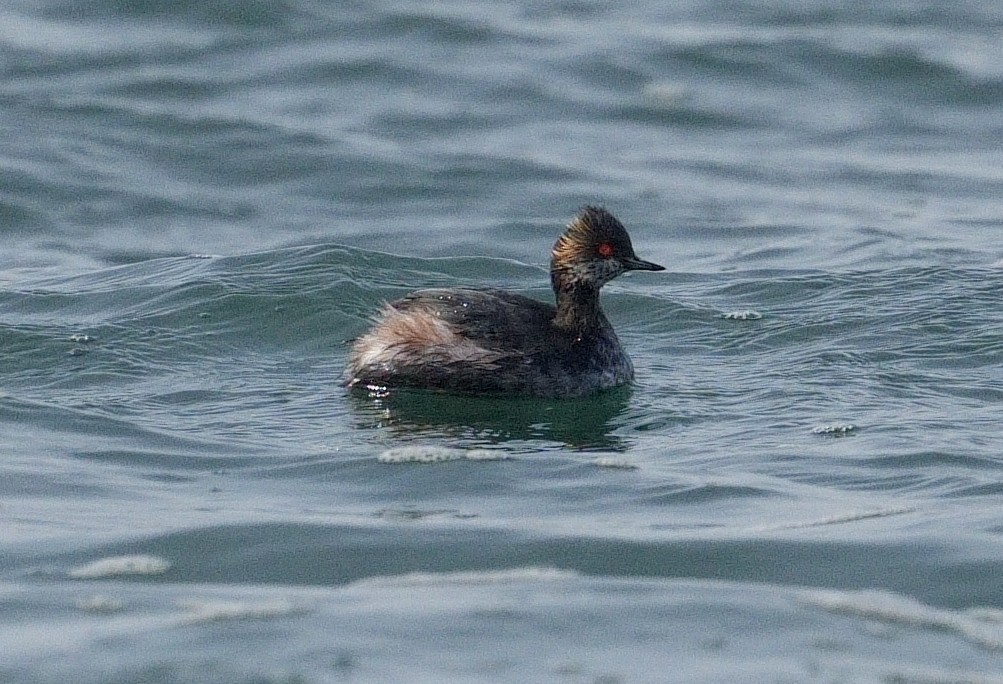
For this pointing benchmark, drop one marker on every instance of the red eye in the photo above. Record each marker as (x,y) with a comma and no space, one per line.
(605,249)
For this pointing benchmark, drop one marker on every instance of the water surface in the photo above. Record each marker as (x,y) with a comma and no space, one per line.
(201,204)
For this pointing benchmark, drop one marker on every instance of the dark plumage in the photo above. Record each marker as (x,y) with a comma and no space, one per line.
(488,341)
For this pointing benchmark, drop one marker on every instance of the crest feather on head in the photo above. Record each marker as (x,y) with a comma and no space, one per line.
(591,226)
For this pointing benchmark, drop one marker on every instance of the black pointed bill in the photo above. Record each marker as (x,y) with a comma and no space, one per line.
(635,264)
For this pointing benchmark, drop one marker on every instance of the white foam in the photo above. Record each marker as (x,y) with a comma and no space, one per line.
(747,315)
(80,337)
(469,577)
(419,454)
(487,455)
(615,463)
(439,454)
(834,430)
(121,565)
(214,611)
(893,608)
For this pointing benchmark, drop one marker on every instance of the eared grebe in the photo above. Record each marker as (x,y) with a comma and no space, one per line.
(487,341)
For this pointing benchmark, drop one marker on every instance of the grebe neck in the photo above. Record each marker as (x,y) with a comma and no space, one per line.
(578,307)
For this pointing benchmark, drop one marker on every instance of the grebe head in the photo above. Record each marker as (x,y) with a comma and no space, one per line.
(594,249)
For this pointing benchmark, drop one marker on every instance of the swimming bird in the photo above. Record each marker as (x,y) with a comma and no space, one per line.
(490,341)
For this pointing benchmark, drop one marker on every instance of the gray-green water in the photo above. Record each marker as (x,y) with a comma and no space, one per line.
(200,203)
